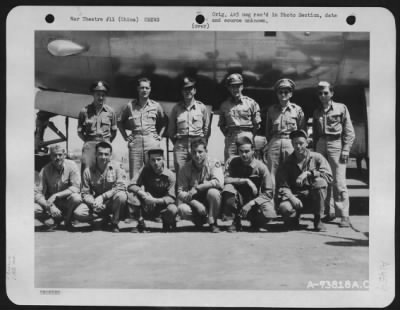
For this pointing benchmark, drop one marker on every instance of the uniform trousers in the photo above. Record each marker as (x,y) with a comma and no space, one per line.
(65,205)
(207,202)
(337,199)
(314,196)
(277,150)
(138,149)
(114,206)
(138,208)
(235,197)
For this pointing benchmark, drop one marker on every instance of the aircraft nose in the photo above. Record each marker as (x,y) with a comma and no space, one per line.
(65,48)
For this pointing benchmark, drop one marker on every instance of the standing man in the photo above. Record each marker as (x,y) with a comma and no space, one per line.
(333,137)
(282,119)
(239,114)
(199,184)
(189,120)
(58,191)
(103,189)
(248,190)
(303,179)
(96,122)
(153,192)
(147,122)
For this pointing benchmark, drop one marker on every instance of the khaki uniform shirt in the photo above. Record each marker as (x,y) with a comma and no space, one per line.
(106,183)
(281,122)
(334,122)
(193,121)
(210,173)
(53,181)
(97,127)
(245,114)
(143,120)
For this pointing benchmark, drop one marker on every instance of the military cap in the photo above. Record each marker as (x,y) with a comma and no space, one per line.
(234,78)
(188,82)
(243,139)
(155,150)
(298,133)
(99,86)
(56,148)
(284,83)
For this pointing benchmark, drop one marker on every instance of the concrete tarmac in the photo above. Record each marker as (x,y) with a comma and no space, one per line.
(188,259)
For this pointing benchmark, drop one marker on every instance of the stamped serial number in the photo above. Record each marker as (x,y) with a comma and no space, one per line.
(50,292)
(338,284)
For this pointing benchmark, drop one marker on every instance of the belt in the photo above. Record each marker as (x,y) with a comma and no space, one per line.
(281,136)
(337,136)
(142,133)
(233,129)
(188,137)
(97,139)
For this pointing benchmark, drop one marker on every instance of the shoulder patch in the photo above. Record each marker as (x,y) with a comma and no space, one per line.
(217,164)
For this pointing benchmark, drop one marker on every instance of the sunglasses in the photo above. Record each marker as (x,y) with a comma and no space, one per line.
(323,93)
(284,92)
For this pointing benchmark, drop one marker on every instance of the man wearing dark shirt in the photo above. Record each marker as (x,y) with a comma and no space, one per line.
(153,192)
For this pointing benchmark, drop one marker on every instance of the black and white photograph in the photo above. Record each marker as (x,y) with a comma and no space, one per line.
(191,165)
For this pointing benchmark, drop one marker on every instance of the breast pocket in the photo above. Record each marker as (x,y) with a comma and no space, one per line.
(105,123)
(197,120)
(88,125)
(181,122)
(244,115)
(276,125)
(151,117)
(291,123)
(334,122)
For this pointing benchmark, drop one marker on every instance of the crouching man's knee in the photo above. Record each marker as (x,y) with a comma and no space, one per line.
(169,214)
(82,213)
(286,209)
(120,197)
(185,211)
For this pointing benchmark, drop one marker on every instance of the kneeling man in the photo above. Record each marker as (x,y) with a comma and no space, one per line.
(248,190)
(303,178)
(199,184)
(152,193)
(57,193)
(103,189)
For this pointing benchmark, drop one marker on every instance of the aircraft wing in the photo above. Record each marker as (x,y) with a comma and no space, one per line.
(69,104)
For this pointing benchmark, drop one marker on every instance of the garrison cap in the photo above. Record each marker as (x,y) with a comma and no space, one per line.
(243,139)
(234,78)
(284,83)
(188,82)
(99,86)
(57,148)
(298,133)
(155,150)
